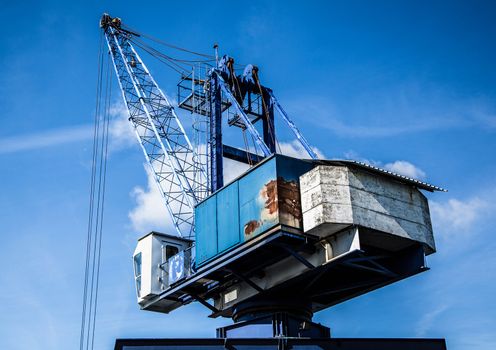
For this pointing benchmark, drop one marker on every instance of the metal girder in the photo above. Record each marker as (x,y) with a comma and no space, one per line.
(297,256)
(357,263)
(166,147)
(240,155)
(204,303)
(246,121)
(246,279)
(292,126)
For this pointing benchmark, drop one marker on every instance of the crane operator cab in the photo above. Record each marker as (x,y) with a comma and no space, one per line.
(159,261)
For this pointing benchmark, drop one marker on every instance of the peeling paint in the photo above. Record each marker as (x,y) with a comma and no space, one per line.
(280,201)
(290,202)
(250,227)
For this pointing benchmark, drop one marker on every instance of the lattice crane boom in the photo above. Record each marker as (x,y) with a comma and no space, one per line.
(167,148)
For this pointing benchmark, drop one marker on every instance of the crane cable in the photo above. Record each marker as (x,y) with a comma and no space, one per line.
(167,44)
(96,210)
(165,59)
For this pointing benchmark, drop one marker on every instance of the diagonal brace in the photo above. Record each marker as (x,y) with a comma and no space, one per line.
(297,256)
(246,279)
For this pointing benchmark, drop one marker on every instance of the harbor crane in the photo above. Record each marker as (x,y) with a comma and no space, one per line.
(285,239)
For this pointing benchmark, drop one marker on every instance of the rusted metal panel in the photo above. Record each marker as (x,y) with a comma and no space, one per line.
(266,196)
(228,232)
(258,200)
(288,190)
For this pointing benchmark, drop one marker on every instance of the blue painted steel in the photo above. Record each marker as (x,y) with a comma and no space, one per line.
(269,127)
(215,135)
(228,232)
(206,229)
(246,121)
(290,169)
(266,196)
(293,127)
(167,148)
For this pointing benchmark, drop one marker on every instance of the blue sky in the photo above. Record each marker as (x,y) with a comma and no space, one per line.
(407,85)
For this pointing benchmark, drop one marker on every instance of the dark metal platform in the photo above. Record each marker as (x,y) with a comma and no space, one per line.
(351,274)
(237,264)
(281,344)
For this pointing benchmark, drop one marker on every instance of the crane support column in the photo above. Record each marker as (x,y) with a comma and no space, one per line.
(216,162)
(269,131)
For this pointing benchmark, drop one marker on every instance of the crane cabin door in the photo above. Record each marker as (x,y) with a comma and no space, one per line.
(168,251)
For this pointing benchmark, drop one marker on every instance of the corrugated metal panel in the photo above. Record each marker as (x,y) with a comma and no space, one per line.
(402,178)
(228,233)
(206,230)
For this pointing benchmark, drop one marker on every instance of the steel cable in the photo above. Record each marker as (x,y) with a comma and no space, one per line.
(96,203)
(92,188)
(167,44)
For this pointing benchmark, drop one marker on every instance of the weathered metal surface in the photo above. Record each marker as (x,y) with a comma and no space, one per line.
(288,172)
(266,196)
(306,228)
(258,200)
(376,170)
(336,196)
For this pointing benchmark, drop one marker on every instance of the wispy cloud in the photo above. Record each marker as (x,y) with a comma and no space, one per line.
(401,110)
(50,138)
(454,214)
(402,167)
(295,149)
(121,135)
(427,320)
(121,132)
(370,130)
(405,168)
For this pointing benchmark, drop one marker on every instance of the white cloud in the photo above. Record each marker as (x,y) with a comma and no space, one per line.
(28,142)
(150,212)
(408,108)
(233,169)
(427,320)
(402,167)
(454,215)
(121,132)
(295,149)
(405,168)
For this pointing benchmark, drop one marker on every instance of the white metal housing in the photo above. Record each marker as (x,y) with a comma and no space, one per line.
(159,260)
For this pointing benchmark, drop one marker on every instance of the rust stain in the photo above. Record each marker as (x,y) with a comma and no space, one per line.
(289,194)
(269,193)
(281,201)
(250,227)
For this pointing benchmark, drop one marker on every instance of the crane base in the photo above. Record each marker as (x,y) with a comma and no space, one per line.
(282,344)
